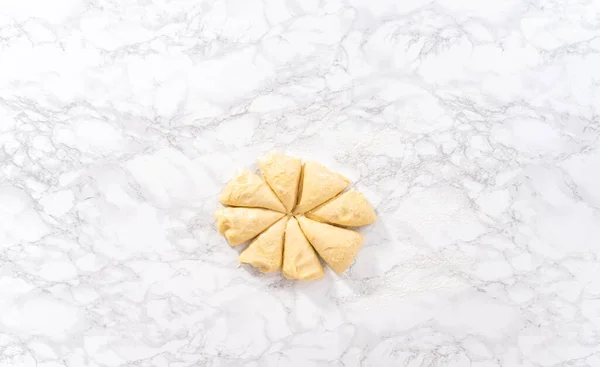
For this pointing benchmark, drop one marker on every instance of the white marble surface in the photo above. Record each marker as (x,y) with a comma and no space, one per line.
(472,126)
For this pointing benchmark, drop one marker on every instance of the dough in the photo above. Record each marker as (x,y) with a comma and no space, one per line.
(337,246)
(239,225)
(282,173)
(318,185)
(249,190)
(299,258)
(347,209)
(292,216)
(266,251)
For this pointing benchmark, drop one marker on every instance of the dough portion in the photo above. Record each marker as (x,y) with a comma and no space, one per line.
(282,173)
(239,225)
(299,258)
(266,251)
(337,246)
(248,189)
(319,184)
(347,209)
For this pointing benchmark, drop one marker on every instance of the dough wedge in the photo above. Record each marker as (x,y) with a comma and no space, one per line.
(282,173)
(337,246)
(318,185)
(265,252)
(350,208)
(247,189)
(299,258)
(239,225)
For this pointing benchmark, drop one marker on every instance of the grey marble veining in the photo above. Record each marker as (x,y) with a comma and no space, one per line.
(472,126)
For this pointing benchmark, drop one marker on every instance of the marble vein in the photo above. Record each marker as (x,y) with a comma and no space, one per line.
(472,127)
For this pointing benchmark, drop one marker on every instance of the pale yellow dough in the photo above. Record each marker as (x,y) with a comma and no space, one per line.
(239,225)
(249,190)
(282,173)
(337,246)
(347,209)
(318,185)
(299,258)
(266,251)
(313,198)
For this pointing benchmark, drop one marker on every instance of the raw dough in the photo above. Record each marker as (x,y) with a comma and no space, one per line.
(239,225)
(282,173)
(337,246)
(318,185)
(266,251)
(311,195)
(299,258)
(249,190)
(347,209)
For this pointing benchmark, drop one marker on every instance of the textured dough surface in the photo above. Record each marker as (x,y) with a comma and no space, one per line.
(282,173)
(299,258)
(291,216)
(319,184)
(266,251)
(337,246)
(249,190)
(239,225)
(347,209)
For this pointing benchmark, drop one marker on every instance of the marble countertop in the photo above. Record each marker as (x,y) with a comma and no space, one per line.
(472,126)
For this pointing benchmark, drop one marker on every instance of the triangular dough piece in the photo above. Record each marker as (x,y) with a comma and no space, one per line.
(299,258)
(347,209)
(239,225)
(248,189)
(266,251)
(282,173)
(337,246)
(319,184)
